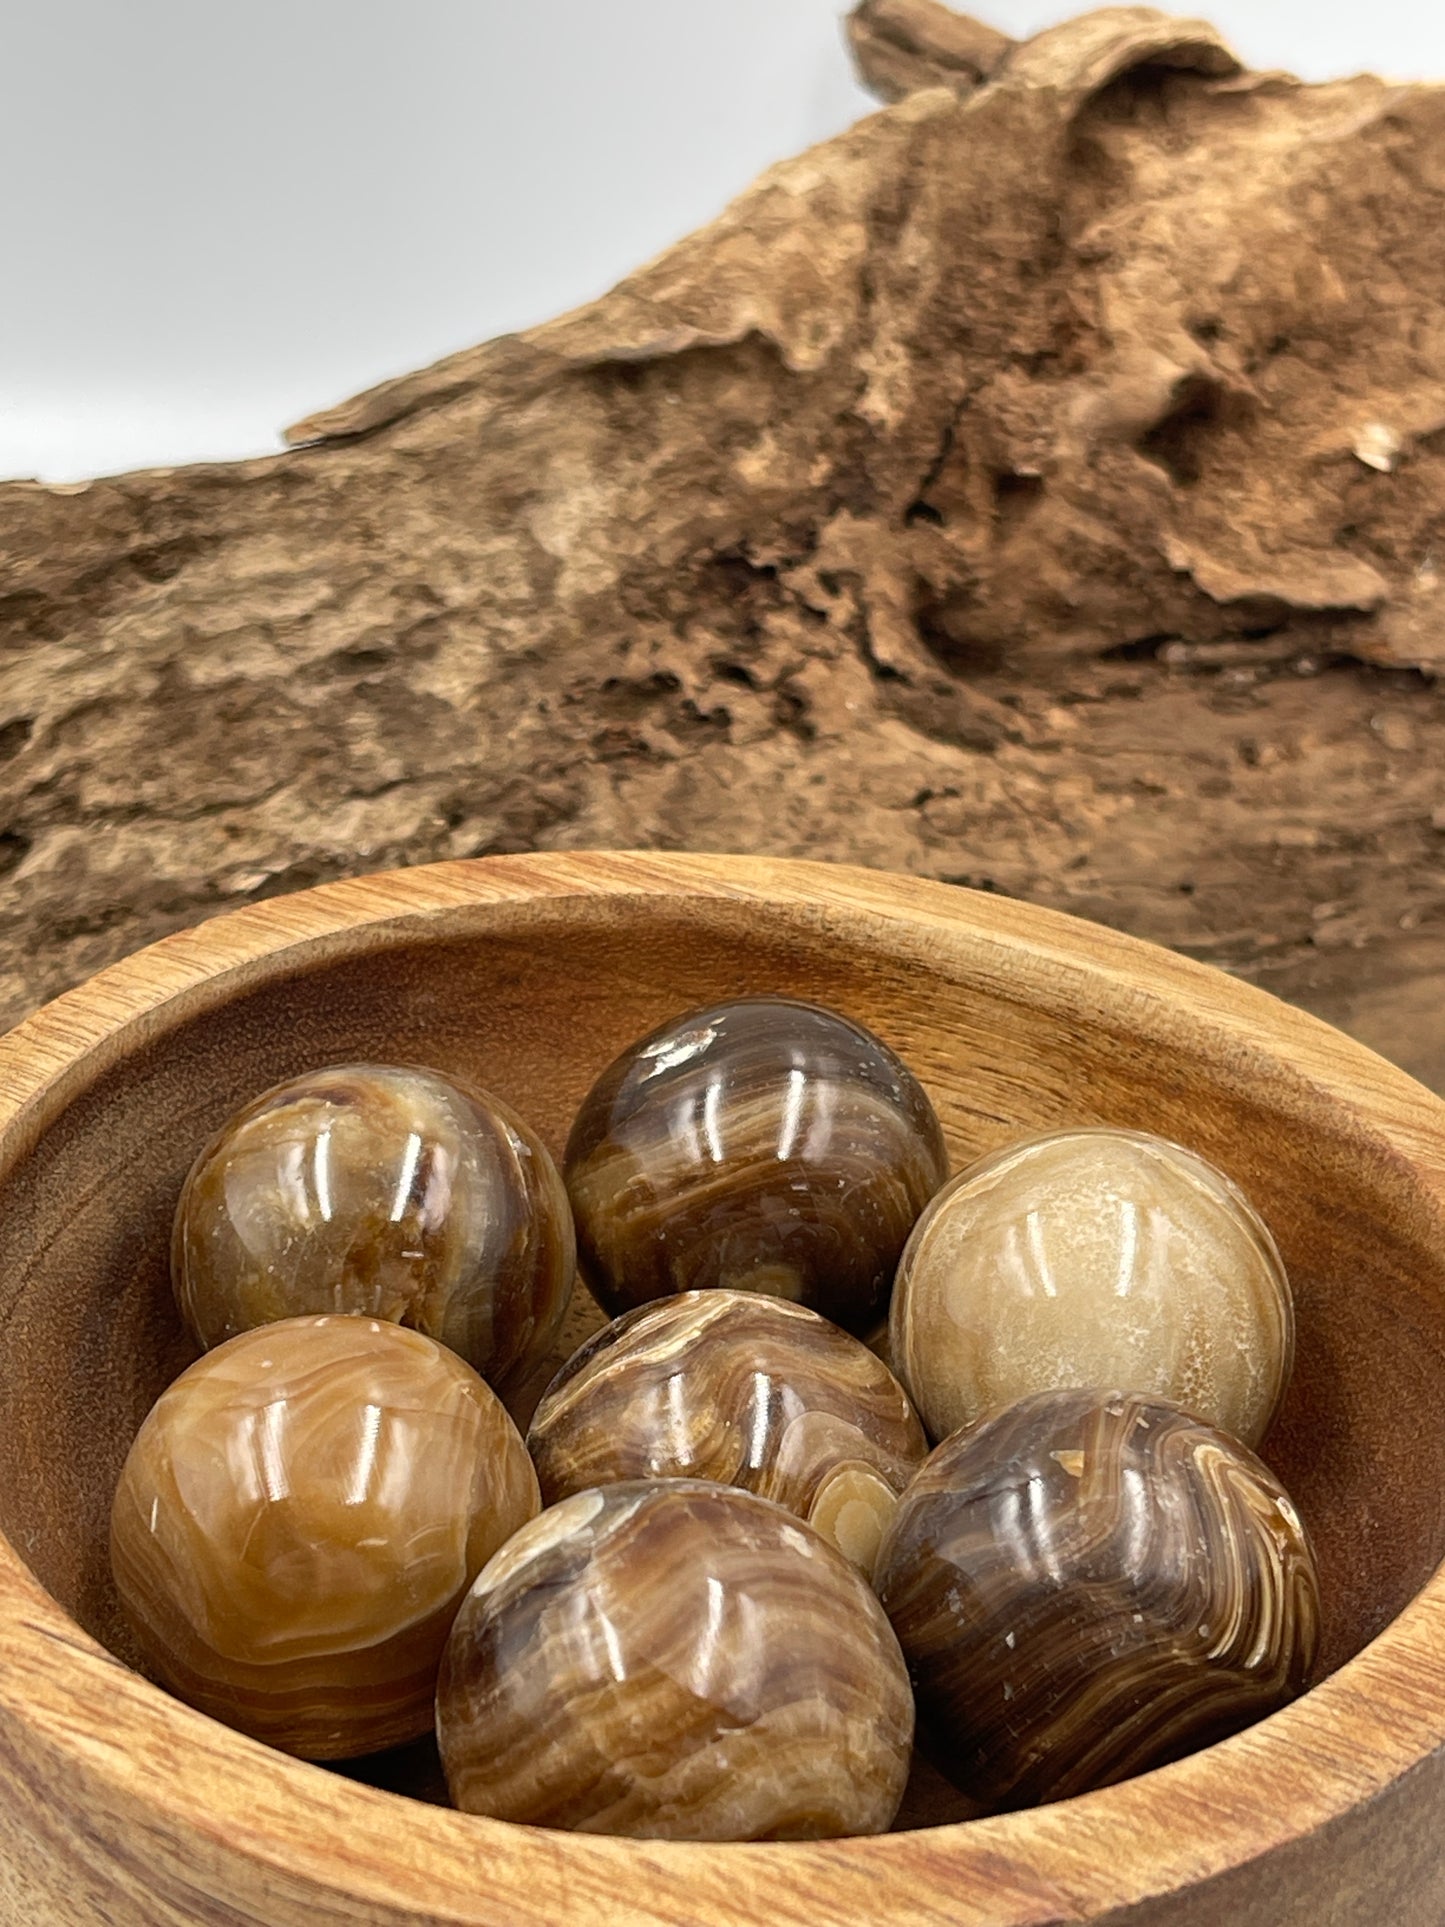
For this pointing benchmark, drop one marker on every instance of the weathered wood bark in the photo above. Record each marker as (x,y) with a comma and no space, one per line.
(902,46)
(1040,485)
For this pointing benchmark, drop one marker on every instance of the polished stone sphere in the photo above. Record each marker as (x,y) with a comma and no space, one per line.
(760,1145)
(1087,1584)
(386,1190)
(1093,1257)
(741,1390)
(298,1519)
(675,1661)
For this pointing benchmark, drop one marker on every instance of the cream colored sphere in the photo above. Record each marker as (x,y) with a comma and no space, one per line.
(1093,1258)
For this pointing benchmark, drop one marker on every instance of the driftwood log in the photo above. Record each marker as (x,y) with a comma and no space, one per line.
(1041,485)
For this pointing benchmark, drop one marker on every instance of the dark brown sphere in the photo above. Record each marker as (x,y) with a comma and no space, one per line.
(1087,1584)
(765,1145)
(387,1191)
(675,1661)
(741,1390)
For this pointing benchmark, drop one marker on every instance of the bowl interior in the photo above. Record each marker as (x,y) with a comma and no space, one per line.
(534,1005)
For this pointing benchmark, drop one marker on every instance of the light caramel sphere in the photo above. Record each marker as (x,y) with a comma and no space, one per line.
(1093,1258)
(298,1519)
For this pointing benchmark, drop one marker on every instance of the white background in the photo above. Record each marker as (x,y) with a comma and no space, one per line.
(219,215)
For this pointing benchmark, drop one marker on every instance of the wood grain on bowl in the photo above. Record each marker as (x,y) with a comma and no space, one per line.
(528,974)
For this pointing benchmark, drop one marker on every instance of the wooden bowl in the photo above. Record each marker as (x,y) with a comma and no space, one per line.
(118,1804)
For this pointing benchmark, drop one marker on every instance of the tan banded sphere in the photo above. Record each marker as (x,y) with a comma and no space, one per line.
(742,1390)
(1093,1257)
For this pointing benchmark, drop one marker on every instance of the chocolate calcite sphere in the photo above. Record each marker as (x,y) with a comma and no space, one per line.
(741,1390)
(298,1520)
(385,1190)
(1087,1584)
(763,1145)
(675,1661)
(1093,1257)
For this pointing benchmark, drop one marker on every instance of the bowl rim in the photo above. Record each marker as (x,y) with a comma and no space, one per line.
(1338,1749)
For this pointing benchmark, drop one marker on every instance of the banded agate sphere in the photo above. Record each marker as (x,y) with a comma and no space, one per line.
(298,1519)
(1088,1584)
(675,1661)
(741,1390)
(385,1190)
(1093,1257)
(761,1145)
